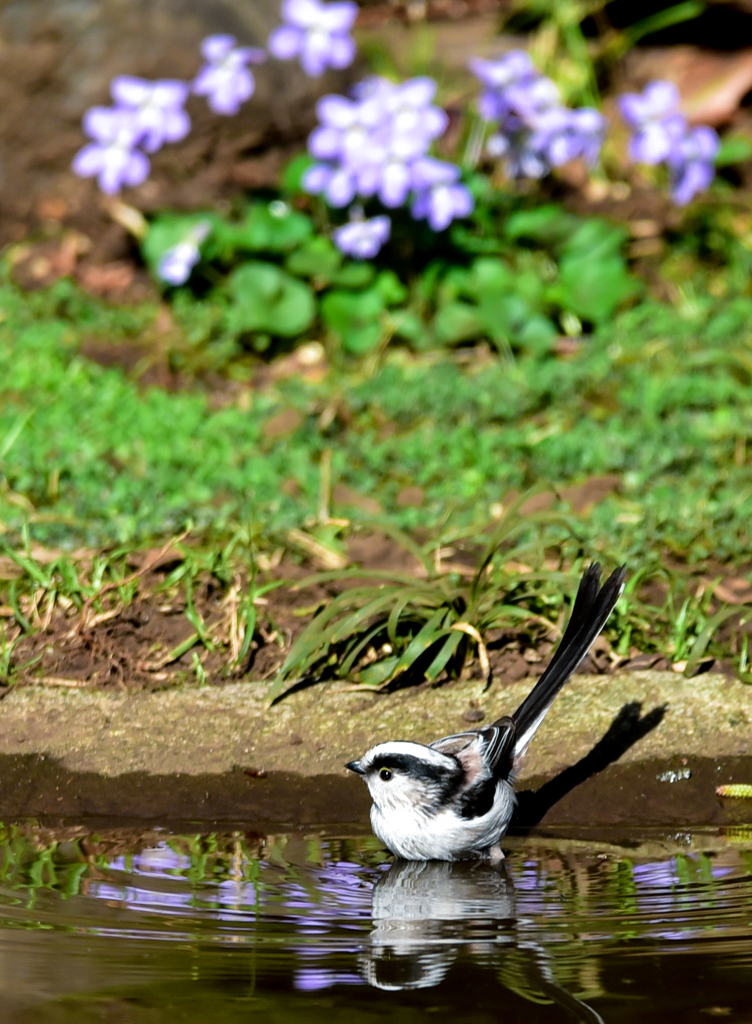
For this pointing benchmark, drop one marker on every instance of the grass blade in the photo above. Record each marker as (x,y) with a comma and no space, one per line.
(448,648)
(705,636)
(426,636)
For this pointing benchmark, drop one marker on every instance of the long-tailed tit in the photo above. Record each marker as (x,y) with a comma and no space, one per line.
(453,799)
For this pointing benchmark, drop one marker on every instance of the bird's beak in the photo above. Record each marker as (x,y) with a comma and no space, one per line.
(356,766)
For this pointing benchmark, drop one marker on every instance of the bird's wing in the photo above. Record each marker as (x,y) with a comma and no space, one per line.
(454,744)
(481,752)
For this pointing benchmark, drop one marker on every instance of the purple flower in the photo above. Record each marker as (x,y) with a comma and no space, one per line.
(513,69)
(657,122)
(691,164)
(225,80)
(533,98)
(661,135)
(337,184)
(409,108)
(347,128)
(362,238)
(176,263)
(112,157)
(157,108)
(534,130)
(561,135)
(523,153)
(372,144)
(440,197)
(316,33)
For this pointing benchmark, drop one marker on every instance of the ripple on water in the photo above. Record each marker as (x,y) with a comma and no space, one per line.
(563,924)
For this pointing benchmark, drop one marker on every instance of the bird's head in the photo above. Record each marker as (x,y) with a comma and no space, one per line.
(401,775)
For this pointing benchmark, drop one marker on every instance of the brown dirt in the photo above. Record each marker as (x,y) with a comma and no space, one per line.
(145,642)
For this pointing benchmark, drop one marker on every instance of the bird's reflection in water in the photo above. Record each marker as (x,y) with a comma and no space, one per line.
(426,912)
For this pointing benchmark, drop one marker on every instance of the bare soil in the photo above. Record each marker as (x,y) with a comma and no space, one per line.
(139,644)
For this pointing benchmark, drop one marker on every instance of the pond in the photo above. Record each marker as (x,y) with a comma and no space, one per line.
(132,925)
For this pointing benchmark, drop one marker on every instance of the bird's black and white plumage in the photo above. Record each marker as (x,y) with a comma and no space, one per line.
(453,799)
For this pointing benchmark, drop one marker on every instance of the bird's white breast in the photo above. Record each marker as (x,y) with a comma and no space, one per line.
(414,835)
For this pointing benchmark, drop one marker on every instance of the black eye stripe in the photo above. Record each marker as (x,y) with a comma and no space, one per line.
(416,768)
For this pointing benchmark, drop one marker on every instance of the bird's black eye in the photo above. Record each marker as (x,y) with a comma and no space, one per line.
(384,774)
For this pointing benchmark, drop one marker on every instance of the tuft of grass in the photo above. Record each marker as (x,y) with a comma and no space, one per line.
(400,626)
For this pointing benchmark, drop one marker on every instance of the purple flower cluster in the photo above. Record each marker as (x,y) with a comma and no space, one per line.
(376,145)
(148,114)
(316,33)
(534,132)
(661,135)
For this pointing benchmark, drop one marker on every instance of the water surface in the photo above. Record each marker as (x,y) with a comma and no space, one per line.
(140,927)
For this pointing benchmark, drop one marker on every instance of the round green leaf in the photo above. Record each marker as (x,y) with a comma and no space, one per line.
(354,275)
(355,318)
(458,321)
(271,227)
(266,299)
(318,258)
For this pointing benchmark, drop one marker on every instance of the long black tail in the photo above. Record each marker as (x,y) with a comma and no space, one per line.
(592,607)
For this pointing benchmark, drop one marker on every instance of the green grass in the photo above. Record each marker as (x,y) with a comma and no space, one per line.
(661,397)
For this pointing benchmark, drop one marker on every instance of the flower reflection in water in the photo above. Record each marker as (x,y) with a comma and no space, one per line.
(332,915)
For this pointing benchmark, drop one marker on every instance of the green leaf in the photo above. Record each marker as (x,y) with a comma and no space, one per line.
(505,315)
(593,277)
(312,642)
(379,672)
(596,239)
(537,334)
(453,284)
(294,172)
(390,288)
(354,275)
(351,623)
(705,636)
(356,649)
(662,20)
(408,325)
(489,275)
(547,225)
(446,651)
(733,151)
(470,241)
(317,258)
(458,321)
(354,318)
(592,286)
(434,629)
(266,299)
(270,227)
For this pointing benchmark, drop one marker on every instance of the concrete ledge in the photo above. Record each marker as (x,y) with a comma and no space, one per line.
(314,731)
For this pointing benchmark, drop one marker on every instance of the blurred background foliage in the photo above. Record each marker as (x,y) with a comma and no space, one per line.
(579,332)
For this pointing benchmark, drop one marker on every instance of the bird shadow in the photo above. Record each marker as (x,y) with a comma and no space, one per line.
(626,729)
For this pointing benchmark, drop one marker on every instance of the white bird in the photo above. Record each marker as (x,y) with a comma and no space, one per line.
(453,799)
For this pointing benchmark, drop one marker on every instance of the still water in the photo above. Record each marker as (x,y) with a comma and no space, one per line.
(152,927)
